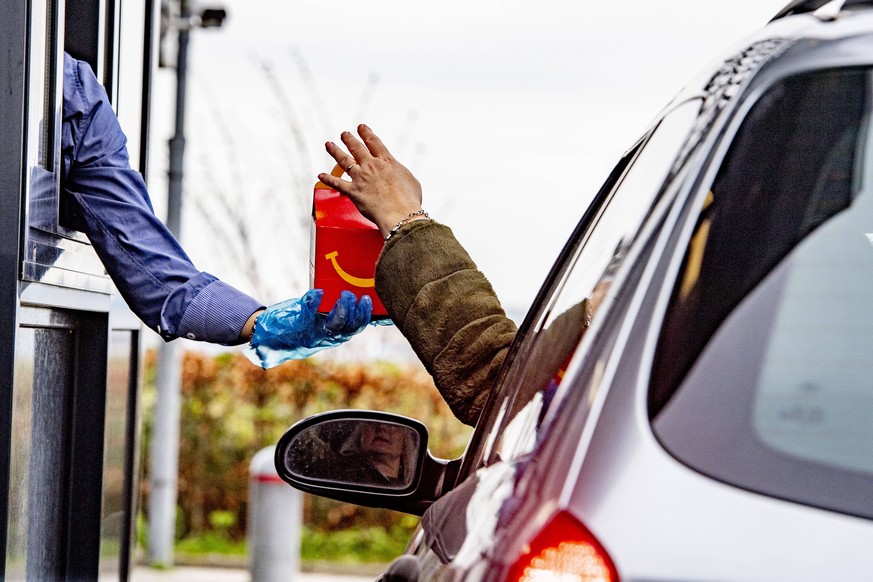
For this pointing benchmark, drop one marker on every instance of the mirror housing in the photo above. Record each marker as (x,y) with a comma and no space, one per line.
(364,457)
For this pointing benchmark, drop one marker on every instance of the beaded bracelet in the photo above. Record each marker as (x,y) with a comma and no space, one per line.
(409,217)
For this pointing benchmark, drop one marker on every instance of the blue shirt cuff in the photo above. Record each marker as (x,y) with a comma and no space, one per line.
(216,312)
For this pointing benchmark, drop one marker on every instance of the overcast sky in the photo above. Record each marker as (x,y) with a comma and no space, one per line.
(510,113)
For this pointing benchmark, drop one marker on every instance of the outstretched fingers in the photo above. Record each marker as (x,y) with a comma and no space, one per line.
(372,141)
(359,151)
(342,311)
(363,313)
(344,161)
(383,190)
(335,183)
(349,315)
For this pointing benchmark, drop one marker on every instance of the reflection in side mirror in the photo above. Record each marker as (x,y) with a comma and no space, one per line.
(366,457)
(361,452)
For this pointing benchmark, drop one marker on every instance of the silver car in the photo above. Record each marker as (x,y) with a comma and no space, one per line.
(691,394)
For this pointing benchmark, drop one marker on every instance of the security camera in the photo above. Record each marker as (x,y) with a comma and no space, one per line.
(212,17)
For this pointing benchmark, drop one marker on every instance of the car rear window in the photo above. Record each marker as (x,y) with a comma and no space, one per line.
(762,375)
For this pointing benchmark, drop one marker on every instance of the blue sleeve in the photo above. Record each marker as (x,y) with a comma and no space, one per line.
(107,200)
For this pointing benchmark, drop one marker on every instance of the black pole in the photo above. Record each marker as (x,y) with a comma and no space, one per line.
(13,23)
(177,142)
(164,462)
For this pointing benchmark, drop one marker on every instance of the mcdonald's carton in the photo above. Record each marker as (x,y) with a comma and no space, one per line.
(344,249)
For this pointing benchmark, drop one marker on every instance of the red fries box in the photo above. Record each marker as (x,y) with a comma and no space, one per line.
(344,248)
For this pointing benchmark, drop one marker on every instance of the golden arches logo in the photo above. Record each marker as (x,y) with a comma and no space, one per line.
(356,281)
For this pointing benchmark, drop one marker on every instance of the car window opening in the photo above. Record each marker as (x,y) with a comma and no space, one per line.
(764,357)
(536,379)
(790,169)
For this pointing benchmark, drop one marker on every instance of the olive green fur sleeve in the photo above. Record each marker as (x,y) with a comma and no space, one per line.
(447,310)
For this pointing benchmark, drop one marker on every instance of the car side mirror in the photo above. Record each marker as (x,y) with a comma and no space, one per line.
(364,457)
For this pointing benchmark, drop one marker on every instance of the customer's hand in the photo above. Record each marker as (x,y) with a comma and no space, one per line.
(381,187)
(293,329)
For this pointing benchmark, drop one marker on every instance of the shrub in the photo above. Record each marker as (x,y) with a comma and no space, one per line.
(232,409)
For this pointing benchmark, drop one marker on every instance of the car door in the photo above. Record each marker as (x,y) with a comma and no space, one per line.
(459,530)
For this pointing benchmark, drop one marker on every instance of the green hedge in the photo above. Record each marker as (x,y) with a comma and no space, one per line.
(231,409)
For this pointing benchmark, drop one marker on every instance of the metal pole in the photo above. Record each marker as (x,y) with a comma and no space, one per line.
(164,466)
(177,142)
(164,458)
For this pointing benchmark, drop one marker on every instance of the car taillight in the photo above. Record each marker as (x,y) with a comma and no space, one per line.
(564,551)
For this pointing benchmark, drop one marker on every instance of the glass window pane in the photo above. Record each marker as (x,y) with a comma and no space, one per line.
(763,366)
(115,518)
(40,416)
(539,368)
(19,476)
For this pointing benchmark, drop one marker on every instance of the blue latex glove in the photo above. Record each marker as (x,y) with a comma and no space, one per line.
(293,329)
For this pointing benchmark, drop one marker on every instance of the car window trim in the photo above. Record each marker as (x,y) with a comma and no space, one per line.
(473,454)
(662,200)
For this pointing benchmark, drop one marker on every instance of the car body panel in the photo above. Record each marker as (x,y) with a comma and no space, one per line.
(592,452)
(654,532)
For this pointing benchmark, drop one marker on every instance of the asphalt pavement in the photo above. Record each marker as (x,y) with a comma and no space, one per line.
(202,574)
